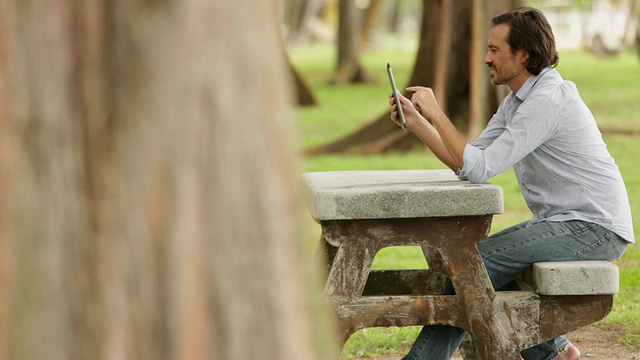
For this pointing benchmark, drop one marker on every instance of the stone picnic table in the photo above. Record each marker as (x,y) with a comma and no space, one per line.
(362,212)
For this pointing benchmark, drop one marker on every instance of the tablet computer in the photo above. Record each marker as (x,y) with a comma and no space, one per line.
(396,95)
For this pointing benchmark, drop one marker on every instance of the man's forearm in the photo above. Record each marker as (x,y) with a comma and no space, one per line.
(452,140)
(431,138)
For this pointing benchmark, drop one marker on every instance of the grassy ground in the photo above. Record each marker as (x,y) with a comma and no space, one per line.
(611,88)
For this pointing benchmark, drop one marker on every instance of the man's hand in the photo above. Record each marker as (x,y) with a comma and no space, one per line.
(411,115)
(425,102)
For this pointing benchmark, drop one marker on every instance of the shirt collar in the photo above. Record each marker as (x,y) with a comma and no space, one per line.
(528,84)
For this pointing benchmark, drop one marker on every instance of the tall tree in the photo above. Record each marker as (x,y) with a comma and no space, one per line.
(477,75)
(303,92)
(637,41)
(369,21)
(348,67)
(299,16)
(146,206)
(295,15)
(636,13)
(292,18)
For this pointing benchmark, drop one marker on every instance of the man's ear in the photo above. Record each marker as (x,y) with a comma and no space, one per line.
(523,56)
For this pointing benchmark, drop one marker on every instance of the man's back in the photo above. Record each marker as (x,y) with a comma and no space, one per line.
(548,134)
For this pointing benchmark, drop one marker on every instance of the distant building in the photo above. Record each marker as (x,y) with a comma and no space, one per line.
(599,25)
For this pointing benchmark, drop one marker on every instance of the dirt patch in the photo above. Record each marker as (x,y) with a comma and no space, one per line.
(595,343)
(602,343)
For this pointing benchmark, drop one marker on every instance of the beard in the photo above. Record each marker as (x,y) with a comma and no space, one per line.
(501,77)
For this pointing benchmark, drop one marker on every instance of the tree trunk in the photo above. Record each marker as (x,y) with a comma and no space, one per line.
(368,24)
(304,93)
(295,15)
(477,73)
(629,33)
(146,206)
(348,69)
(443,52)
(299,19)
(637,40)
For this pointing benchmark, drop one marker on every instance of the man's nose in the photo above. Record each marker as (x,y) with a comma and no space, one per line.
(487,59)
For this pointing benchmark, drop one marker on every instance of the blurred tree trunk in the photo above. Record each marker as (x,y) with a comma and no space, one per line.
(146,206)
(300,17)
(477,73)
(637,15)
(348,68)
(304,93)
(437,64)
(369,22)
(296,12)
(638,40)
(443,52)
(292,17)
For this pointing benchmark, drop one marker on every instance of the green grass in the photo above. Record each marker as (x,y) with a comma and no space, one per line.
(610,87)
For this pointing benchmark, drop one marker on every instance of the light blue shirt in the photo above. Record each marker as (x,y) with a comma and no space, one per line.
(549,136)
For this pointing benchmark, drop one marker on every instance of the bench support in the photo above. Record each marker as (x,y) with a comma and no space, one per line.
(500,323)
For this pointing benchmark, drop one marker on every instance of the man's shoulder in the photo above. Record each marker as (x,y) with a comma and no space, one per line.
(553,87)
(549,80)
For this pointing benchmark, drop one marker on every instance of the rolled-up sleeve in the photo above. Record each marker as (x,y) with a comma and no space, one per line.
(471,155)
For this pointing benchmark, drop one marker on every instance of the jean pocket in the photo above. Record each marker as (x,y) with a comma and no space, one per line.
(603,249)
(579,227)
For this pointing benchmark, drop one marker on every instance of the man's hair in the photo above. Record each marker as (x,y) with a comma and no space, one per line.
(530,31)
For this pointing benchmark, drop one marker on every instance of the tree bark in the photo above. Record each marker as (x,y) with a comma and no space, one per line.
(638,41)
(146,207)
(368,23)
(637,38)
(443,52)
(348,68)
(295,15)
(304,93)
(477,74)
(292,18)
(299,16)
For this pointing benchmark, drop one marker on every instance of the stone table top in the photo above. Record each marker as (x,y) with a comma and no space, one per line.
(386,194)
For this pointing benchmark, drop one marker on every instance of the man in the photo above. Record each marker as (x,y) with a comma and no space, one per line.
(568,179)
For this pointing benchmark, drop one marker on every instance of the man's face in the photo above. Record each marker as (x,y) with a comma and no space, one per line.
(504,65)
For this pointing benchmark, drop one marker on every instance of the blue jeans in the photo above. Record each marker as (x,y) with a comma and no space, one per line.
(509,252)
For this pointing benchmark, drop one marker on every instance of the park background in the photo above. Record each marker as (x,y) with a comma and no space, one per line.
(596,42)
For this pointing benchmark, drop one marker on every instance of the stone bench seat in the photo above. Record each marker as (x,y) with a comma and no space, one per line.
(575,278)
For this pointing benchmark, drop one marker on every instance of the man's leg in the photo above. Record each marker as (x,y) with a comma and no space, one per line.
(506,255)
(509,252)
(439,342)
(436,342)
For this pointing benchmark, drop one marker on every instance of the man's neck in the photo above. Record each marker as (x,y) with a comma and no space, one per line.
(516,83)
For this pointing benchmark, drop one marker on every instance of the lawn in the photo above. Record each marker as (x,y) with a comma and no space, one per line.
(610,87)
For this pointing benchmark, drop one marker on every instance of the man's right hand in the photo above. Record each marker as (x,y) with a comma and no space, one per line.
(411,115)
(425,101)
